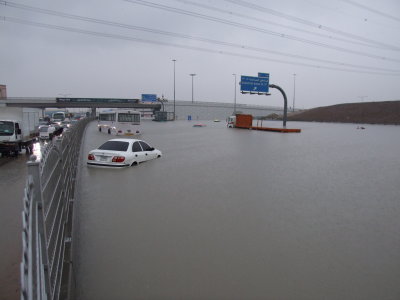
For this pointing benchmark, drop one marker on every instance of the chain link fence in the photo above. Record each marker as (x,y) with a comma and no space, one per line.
(46,267)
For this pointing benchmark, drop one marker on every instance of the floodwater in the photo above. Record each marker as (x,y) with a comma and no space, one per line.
(241,214)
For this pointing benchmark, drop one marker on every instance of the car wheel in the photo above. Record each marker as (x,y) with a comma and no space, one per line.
(100,129)
(109,131)
(135,163)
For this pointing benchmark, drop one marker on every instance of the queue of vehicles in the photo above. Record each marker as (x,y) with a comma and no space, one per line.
(21,127)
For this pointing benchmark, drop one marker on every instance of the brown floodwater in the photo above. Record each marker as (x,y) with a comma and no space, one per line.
(240,214)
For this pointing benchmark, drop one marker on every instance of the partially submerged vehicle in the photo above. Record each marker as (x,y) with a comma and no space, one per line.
(122,153)
(120,122)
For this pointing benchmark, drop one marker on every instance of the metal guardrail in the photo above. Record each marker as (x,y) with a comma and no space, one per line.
(46,267)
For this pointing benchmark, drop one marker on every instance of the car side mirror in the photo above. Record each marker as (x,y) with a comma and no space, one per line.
(151,149)
(19,131)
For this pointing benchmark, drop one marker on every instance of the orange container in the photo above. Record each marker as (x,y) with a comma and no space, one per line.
(244,121)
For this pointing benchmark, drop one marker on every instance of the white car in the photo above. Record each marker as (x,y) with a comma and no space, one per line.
(122,153)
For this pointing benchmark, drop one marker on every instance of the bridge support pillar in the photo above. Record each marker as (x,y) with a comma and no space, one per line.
(93,113)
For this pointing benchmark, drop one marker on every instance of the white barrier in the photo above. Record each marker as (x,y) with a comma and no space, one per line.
(46,266)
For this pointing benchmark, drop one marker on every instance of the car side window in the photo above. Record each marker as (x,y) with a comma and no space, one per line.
(145,146)
(136,147)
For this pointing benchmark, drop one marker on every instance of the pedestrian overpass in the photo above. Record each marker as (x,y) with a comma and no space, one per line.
(91,103)
(197,110)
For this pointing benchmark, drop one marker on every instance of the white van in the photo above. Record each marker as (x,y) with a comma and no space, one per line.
(46,132)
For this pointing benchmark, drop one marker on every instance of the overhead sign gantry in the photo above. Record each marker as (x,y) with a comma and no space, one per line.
(260,86)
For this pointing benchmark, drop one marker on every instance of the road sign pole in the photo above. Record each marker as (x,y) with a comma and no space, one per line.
(234,102)
(274,86)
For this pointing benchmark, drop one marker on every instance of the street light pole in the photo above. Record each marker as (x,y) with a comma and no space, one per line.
(234,103)
(174,60)
(192,84)
(294,89)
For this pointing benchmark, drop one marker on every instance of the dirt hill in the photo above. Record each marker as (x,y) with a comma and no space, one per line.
(387,112)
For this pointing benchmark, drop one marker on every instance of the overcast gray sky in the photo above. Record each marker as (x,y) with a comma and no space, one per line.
(340,50)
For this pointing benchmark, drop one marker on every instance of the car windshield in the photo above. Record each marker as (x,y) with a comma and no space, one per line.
(44,129)
(115,146)
(59,116)
(6,128)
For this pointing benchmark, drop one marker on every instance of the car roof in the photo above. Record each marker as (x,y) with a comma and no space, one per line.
(125,140)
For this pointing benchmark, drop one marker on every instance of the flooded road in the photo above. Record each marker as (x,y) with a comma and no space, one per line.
(12,182)
(239,214)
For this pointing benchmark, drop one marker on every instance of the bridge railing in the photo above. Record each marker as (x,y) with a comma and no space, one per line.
(46,267)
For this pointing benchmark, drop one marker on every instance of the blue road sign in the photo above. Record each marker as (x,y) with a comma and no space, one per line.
(149,97)
(254,84)
(263,75)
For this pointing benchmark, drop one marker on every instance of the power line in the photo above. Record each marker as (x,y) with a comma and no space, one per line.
(372,10)
(139,40)
(253,28)
(309,23)
(210,41)
(213,8)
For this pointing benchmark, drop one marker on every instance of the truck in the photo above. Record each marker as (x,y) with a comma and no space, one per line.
(240,121)
(246,122)
(19,129)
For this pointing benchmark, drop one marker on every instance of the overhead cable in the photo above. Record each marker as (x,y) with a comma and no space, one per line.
(309,23)
(140,40)
(318,34)
(184,36)
(253,28)
(372,10)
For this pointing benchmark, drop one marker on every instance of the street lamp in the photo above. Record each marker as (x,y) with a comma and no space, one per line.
(192,84)
(174,60)
(234,103)
(294,89)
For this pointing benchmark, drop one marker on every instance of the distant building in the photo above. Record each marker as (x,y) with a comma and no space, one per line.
(3,91)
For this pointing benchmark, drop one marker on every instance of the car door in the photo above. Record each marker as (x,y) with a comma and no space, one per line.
(138,153)
(17,132)
(147,150)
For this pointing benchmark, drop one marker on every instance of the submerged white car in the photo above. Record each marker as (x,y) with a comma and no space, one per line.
(122,153)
